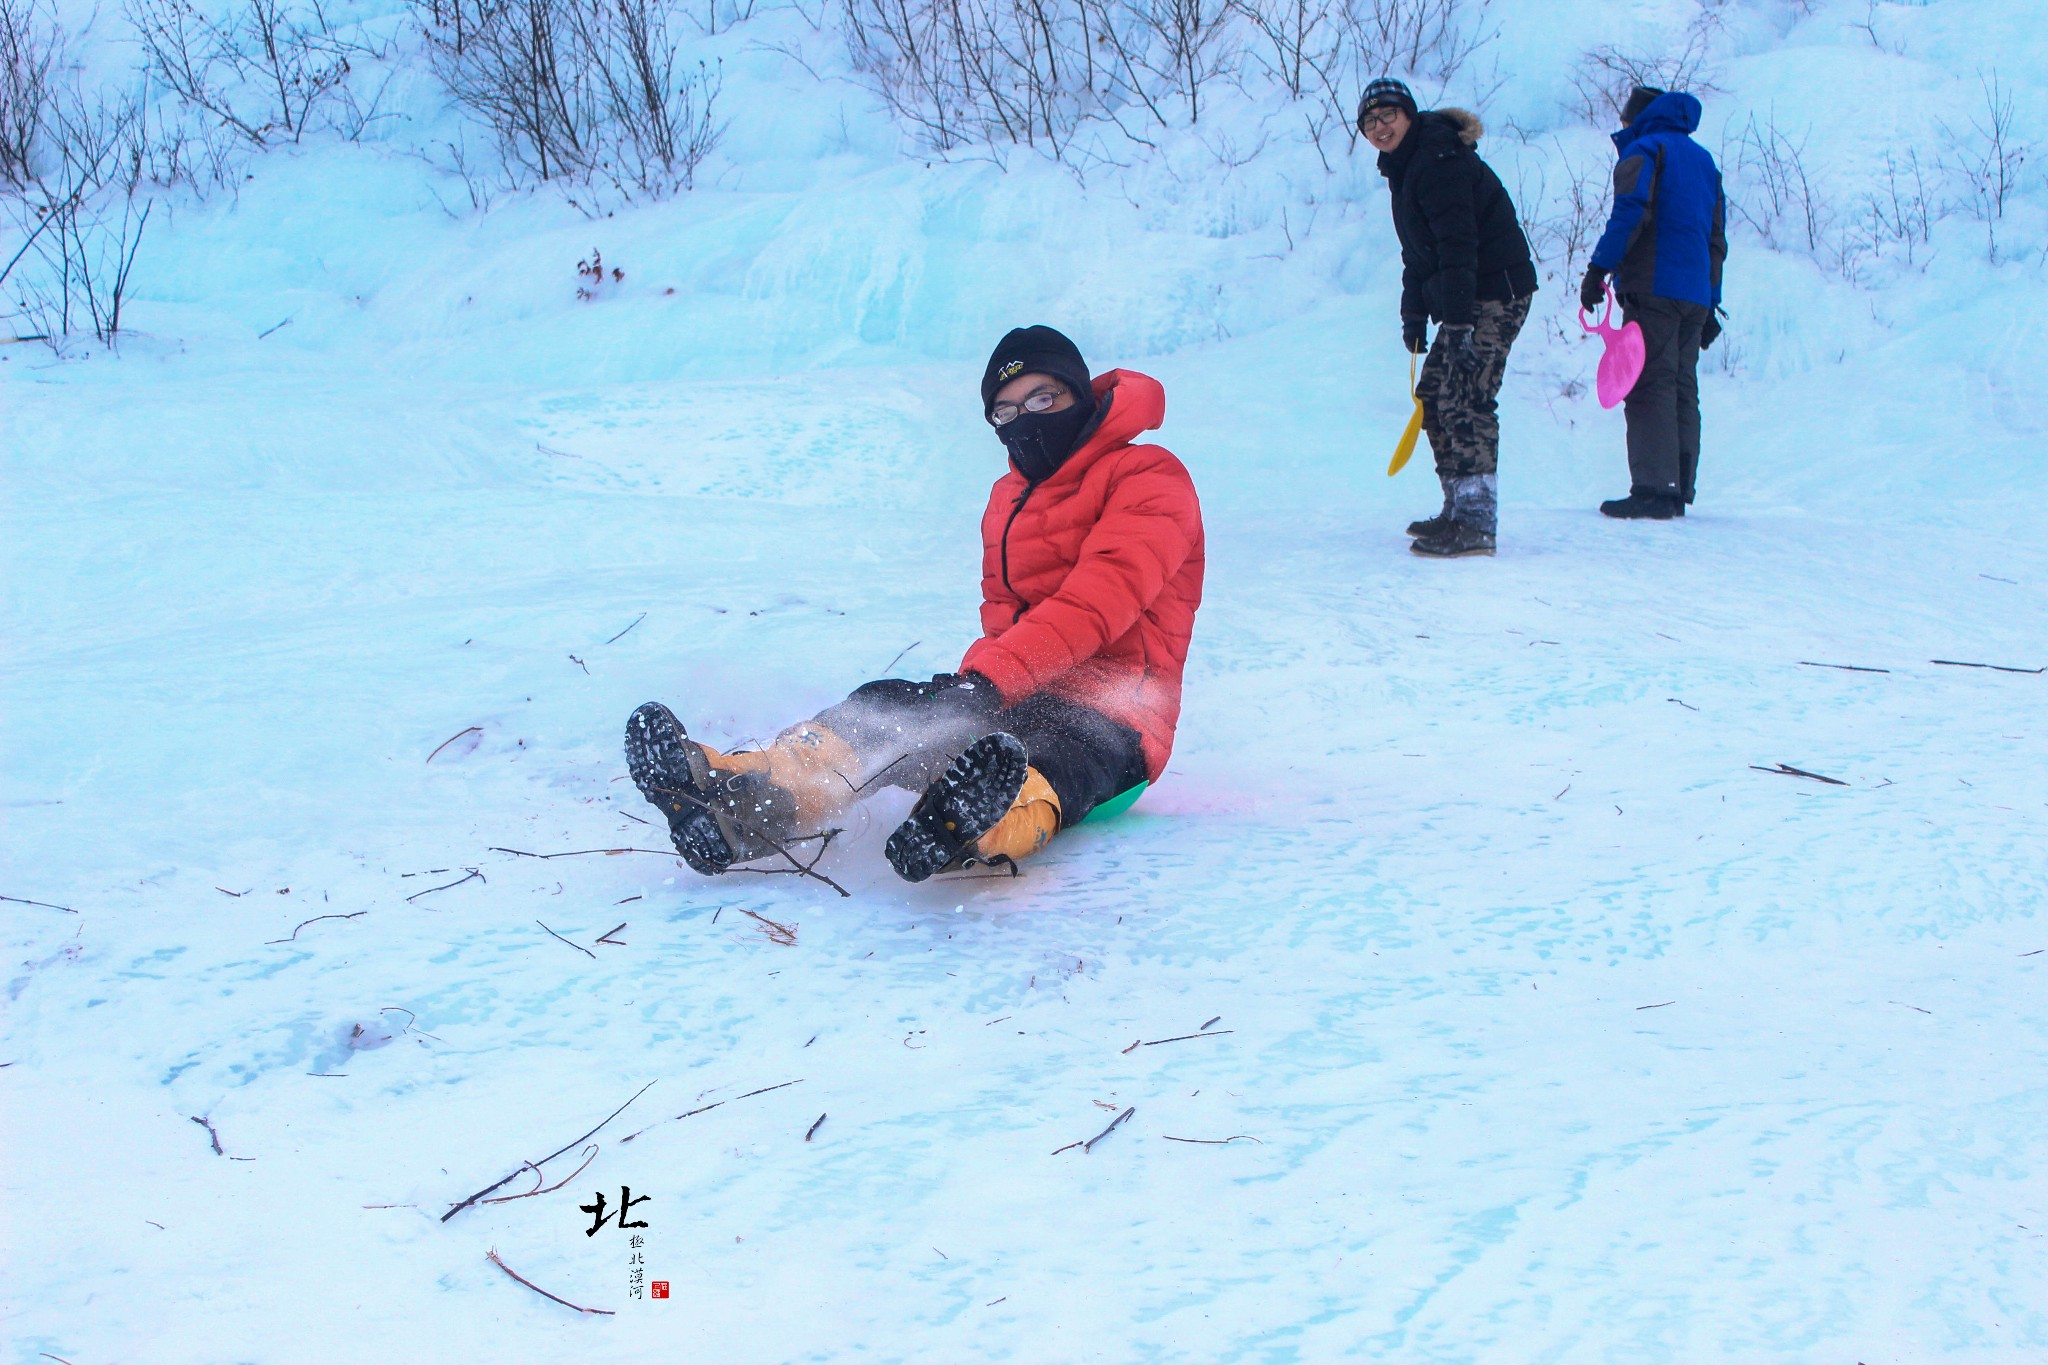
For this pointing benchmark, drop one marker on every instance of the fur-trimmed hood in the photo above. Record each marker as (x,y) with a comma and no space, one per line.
(1467,123)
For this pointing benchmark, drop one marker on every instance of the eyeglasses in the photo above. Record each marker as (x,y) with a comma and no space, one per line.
(1002,414)
(1384,117)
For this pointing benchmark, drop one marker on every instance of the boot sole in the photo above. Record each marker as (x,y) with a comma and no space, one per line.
(671,773)
(1486,550)
(962,804)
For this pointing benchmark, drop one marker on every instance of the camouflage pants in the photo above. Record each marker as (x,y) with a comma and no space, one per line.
(1458,410)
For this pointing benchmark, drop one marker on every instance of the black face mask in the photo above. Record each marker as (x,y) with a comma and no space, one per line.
(1039,442)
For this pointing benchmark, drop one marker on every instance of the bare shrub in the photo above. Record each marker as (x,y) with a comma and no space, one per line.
(1896,220)
(1035,73)
(1603,78)
(29,44)
(588,91)
(265,74)
(1987,160)
(1770,188)
(983,71)
(1562,224)
(84,220)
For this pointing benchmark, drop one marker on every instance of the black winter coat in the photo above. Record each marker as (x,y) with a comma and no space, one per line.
(1460,240)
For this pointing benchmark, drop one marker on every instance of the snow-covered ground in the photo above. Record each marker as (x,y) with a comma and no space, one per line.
(1541,1024)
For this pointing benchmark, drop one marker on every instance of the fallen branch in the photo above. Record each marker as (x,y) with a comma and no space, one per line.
(46,905)
(784,934)
(607,937)
(583,853)
(493,1189)
(1996,668)
(1218,1142)
(692,1113)
(472,730)
(580,664)
(577,946)
(217,1151)
(801,868)
(590,1155)
(1787,770)
(493,1258)
(474,876)
(315,920)
(1185,1036)
(814,1128)
(622,634)
(1114,1124)
(1846,668)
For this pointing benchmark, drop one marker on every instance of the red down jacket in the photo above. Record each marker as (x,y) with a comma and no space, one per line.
(1090,580)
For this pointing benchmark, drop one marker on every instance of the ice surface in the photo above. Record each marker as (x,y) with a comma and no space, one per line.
(1554,1030)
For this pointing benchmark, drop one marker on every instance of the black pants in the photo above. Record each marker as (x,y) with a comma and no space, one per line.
(905,733)
(1664,407)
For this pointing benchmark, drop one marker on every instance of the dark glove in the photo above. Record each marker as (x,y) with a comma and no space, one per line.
(1711,330)
(1593,289)
(1415,333)
(1464,356)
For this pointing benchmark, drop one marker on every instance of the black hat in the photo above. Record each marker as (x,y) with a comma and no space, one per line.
(1386,91)
(1639,99)
(1035,350)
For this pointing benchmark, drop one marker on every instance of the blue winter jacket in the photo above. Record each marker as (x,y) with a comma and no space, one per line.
(1667,234)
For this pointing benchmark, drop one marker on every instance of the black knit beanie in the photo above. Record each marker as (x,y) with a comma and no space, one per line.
(1383,92)
(1036,350)
(1639,99)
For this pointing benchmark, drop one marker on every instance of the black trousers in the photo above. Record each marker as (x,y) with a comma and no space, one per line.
(1664,407)
(905,733)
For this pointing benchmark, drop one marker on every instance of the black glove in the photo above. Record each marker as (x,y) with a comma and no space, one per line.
(1712,330)
(1464,356)
(1593,289)
(1415,333)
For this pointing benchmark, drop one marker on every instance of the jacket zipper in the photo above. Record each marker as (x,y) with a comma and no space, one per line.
(1005,549)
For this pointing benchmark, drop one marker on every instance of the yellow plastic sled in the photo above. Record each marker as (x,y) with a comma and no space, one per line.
(1406,447)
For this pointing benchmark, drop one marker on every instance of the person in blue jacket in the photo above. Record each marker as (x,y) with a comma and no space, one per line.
(1665,241)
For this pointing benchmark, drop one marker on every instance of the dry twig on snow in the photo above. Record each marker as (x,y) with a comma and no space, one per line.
(472,730)
(1787,770)
(210,1133)
(47,906)
(577,946)
(492,1257)
(784,934)
(474,876)
(315,920)
(524,1165)
(701,1109)
(589,1155)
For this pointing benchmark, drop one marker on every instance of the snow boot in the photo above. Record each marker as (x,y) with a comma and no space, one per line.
(962,804)
(1642,504)
(1471,530)
(714,819)
(1029,824)
(1430,526)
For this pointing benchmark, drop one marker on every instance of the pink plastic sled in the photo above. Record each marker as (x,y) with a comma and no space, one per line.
(1621,364)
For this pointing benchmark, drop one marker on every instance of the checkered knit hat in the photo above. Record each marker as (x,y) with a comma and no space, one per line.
(1384,92)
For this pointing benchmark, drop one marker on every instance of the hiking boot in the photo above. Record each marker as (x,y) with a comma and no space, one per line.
(1430,526)
(1643,505)
(1454,542)
(963,803)
(1471,529)
(714,819)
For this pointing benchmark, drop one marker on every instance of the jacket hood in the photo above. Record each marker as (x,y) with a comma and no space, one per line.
(1465,123)
(1676,112)
(1131,404)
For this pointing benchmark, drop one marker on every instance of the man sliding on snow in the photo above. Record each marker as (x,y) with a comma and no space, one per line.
(1091,572)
